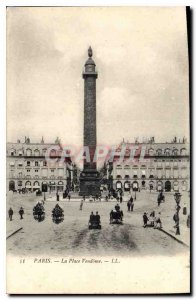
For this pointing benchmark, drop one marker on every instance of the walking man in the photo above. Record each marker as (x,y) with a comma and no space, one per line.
(10,213)
(21,213)
(81,204)
(145,219)
(128,205)
(132,205)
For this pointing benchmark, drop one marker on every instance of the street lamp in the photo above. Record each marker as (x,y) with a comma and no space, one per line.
(177,197)
(135,193)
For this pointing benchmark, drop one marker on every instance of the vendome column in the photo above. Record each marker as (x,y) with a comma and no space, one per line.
(89,177)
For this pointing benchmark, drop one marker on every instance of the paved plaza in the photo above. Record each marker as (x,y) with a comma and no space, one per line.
(72,236)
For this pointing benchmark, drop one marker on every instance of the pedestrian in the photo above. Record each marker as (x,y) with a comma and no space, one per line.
(10,213)
(69,197)
(177,228)
(177,223)
(184,209)
(81,204)
(158,223)
(132,205)
(131,199)
(57,196)
(121,199)
(84,198)
(159,200)
(128,205)
(175,218)
(145,219)
(188,221)
(21,212)
(152,218)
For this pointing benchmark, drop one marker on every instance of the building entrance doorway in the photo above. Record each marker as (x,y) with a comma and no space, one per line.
(11,185)
(168,186)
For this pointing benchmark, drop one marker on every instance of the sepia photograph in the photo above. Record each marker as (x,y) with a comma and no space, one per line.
(98,148)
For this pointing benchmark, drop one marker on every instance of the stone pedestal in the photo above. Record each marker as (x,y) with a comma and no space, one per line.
(90,183)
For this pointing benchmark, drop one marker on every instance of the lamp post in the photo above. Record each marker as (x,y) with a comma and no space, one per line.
(177,197)
(135,193)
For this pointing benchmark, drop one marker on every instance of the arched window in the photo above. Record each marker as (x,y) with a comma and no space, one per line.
(118,185)
(175,152)
(11,185)
(53,153)
(12,152)
(135,186)
(159,152)
(28,185)
(167,152)
(151,185)
(183,151)
(176,186)
(167,186)
(184,185)
(44,151)
(36,152)
(20,152)
(119,177)
(151,151)
(28,152)
(159,185)
(19,182)
(127,186)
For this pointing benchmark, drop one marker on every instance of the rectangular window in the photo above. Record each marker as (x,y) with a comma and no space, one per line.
(28,170)
(36,163)
(167,173)
(159,173)
(175,173)
(28,163)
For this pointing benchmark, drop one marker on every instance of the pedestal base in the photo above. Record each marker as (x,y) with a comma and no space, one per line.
(90,183)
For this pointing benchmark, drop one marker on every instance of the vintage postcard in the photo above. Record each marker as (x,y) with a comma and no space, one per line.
(98,150)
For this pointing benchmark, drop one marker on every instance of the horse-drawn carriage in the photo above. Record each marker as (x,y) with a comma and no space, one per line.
(39,212)
(57,214)
(94,222)
(116,216)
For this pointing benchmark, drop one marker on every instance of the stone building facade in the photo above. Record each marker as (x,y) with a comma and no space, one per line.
(32,165)
(160,166)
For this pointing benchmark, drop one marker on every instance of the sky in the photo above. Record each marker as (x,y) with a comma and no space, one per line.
(141,56)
